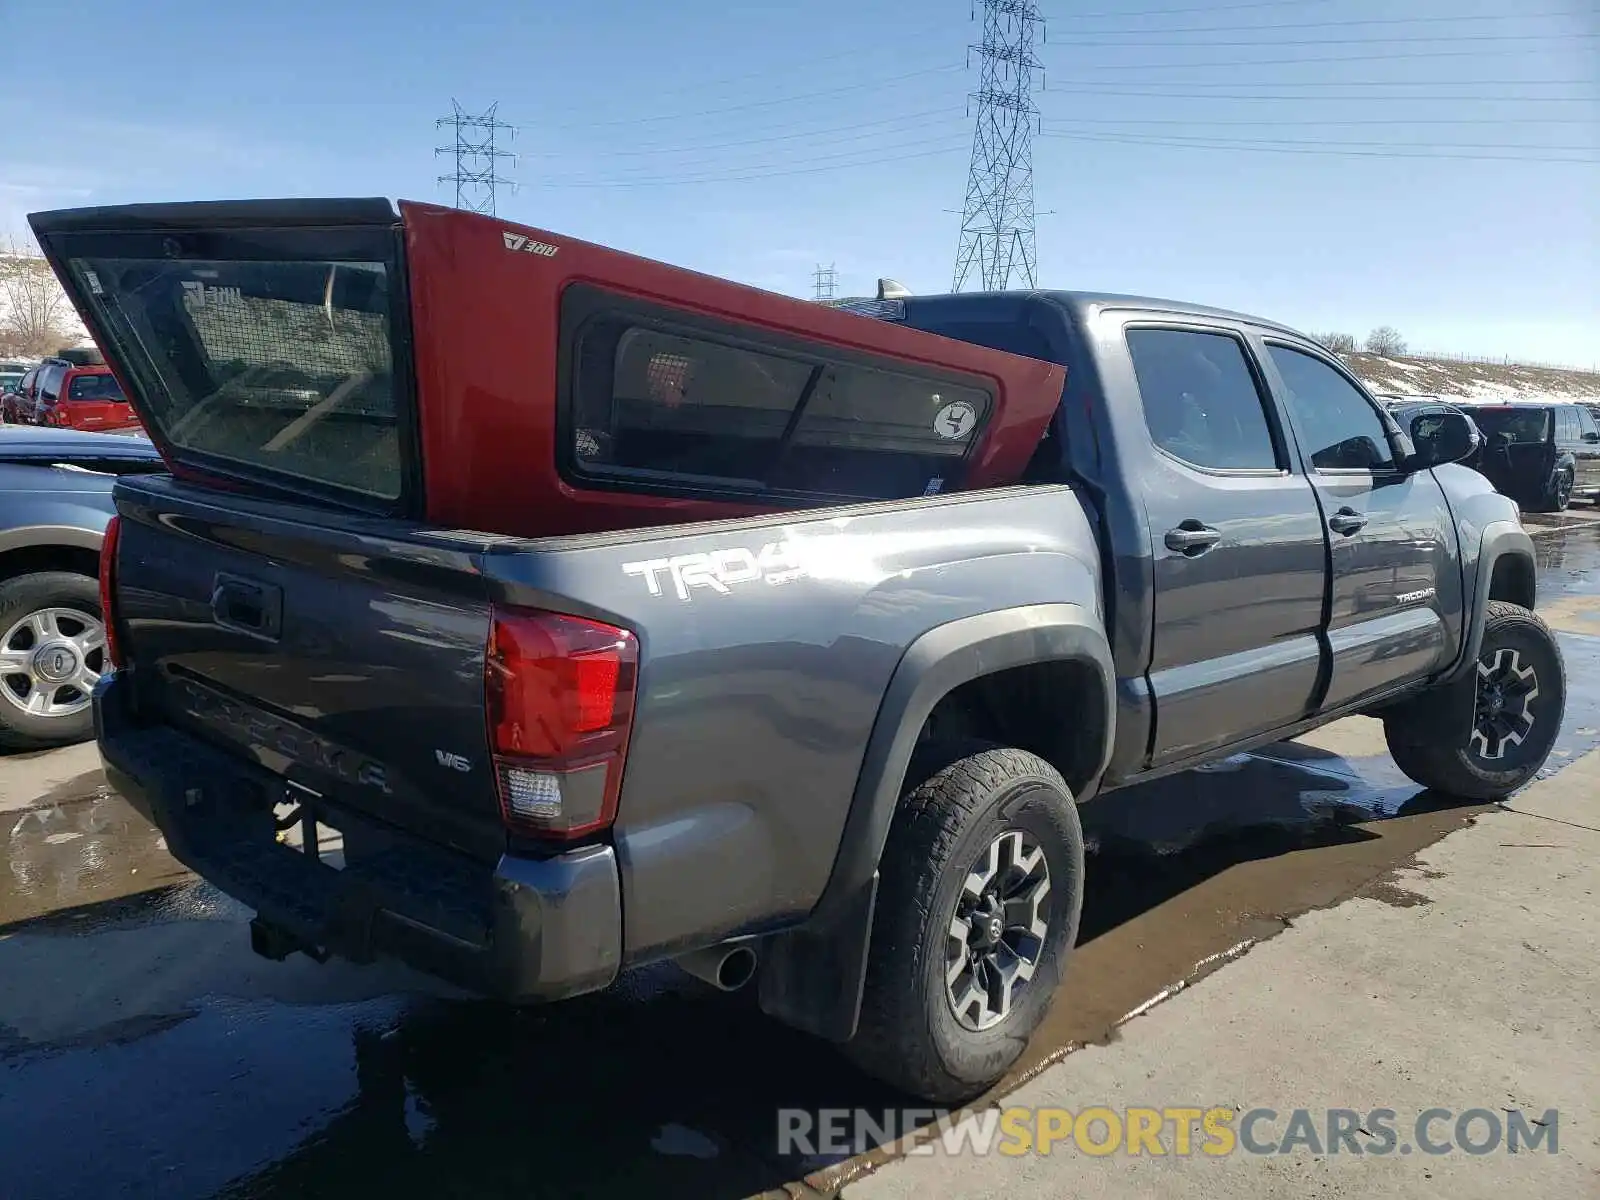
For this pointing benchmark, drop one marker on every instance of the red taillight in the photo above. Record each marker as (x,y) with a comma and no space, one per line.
(108,571)
(560,694)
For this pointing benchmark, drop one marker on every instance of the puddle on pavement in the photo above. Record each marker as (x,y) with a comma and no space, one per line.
(660,1086)
(70,853)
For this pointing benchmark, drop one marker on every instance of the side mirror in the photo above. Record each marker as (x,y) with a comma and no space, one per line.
(1441,438)
(1591,437)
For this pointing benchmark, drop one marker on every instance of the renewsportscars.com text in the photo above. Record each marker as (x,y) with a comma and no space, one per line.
(1179,1131)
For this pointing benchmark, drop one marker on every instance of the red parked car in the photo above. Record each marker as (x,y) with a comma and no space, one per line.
(76,390)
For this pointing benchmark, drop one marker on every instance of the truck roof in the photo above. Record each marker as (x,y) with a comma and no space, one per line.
(1082,305)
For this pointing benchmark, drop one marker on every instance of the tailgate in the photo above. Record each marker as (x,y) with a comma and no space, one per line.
(343,653)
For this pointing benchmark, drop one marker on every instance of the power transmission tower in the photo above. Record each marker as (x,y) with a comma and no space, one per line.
(476,157)
(997,222)
(824,283)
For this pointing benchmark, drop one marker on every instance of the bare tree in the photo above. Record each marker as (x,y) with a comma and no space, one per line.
(35,317)
(1339,343)
(1385,340)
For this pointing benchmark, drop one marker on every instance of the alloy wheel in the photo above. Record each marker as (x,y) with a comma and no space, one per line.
(50,661)
(1503,716)
(997,932)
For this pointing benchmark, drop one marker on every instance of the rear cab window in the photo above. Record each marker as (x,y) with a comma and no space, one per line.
(658,400)
(1514,426)
(1201,401)
(94,387)
(255,364)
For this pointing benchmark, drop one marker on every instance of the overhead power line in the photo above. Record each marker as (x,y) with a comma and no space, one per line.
(1208,64)
(871,161)
(1431,20)
(1296,122)
(1365,84)
(1205,8)
(1590,148)
(754,104)
(1175,142)
(1080,87)
(836,133)
(1139,42)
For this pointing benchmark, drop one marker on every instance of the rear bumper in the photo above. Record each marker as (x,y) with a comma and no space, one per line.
(522,929)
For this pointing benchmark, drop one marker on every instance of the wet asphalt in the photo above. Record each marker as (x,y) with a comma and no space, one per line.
(144,1051)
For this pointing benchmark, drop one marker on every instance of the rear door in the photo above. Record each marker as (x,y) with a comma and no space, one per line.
(1240,557)
(1395,607)
(1587,450)
(48,391)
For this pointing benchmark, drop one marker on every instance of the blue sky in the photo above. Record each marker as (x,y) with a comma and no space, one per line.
(1336,164)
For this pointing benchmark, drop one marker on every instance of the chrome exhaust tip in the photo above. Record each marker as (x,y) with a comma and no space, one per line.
(726,968)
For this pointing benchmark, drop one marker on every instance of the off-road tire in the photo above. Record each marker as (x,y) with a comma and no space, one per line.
(1556,496)
(1454,766)
(25,594)
(909,1035)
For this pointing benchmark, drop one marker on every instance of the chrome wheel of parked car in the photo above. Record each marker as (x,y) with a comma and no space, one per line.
(50,661)
(998,930)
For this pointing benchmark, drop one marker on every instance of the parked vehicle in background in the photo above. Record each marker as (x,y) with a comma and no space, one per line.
(18,400)
(1541,455)
(11,374)
(76,390)
(55,500)
(574,611)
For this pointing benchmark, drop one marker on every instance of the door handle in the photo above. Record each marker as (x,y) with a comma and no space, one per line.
(1347,521)
(1191,537)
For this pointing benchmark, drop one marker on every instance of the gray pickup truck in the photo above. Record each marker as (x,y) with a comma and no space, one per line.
(528,611)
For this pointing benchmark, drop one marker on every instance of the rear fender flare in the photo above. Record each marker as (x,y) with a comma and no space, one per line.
(811,976)
(937,663)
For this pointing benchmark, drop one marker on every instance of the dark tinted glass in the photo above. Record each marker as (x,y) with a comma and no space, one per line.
(1200,399)
(1341,427)
(1514,425)
(94,387)
(667,405)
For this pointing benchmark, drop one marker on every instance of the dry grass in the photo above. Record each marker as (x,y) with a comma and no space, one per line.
(1474,381)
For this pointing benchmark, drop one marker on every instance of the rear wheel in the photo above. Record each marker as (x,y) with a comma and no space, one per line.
(1519,696)
(981,884)
(52,652)
(1557,494)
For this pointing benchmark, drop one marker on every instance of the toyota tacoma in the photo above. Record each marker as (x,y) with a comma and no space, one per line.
(527,611)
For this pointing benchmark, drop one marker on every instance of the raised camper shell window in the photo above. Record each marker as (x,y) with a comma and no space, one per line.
(659,402)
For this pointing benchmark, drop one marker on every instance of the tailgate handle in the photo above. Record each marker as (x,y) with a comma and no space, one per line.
(248,606)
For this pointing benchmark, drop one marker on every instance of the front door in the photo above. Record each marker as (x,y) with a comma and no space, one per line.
(1240,558)
(1395,606)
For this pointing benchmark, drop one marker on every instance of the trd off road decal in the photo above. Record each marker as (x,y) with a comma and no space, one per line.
(720,571)
(526,245)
